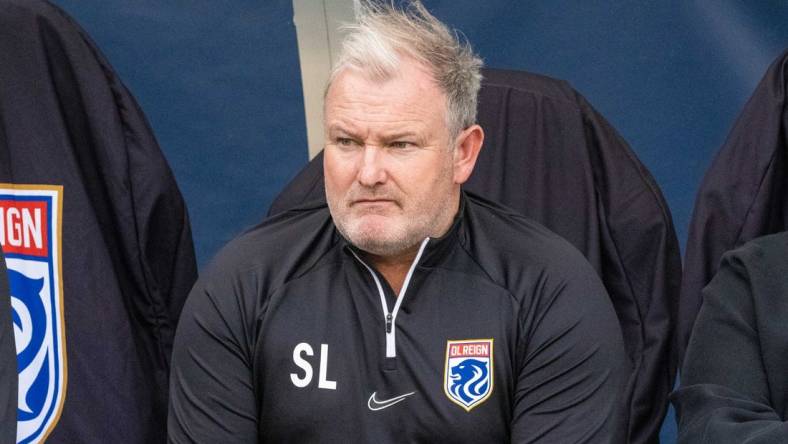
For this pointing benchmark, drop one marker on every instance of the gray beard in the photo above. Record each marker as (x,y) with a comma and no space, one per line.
(380,247)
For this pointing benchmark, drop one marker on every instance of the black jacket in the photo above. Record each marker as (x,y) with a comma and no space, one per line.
(75,145)
(549,155)
(733,384)
(743,194)
(287,338)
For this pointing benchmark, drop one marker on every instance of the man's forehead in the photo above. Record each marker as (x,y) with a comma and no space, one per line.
(413,78)
(340,126)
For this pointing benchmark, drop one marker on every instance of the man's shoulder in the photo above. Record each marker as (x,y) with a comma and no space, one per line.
(509,231)
(285,242)
(507,243)
(546,276)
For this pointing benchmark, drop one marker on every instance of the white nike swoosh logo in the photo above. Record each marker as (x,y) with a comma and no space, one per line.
(376,405)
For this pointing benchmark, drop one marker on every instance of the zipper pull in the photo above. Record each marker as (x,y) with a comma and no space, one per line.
(388,323)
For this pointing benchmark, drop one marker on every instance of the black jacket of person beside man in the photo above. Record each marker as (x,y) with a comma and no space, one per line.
(733,384)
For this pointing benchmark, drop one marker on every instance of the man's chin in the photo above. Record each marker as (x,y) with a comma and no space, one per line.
(377,241)
(379,247)
(378,235)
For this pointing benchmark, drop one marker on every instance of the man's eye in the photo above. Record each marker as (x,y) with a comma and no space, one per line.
(400,144)
(345,141)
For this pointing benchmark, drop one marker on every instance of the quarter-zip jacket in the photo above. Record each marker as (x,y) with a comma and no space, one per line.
(291,337)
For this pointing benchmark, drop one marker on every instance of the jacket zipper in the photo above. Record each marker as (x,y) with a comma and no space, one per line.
(391,316)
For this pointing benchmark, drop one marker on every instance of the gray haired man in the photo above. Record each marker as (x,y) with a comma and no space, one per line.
(405,310)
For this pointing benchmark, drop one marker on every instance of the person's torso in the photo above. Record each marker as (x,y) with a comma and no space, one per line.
(330,365)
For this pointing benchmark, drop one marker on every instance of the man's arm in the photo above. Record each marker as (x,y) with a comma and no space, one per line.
(212,396)
(724,395)
(572,363)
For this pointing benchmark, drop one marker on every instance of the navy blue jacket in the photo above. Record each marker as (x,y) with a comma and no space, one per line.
(96,236)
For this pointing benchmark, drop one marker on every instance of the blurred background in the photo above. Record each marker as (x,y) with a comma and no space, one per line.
(222,86)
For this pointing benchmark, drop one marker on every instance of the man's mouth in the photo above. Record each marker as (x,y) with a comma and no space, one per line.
(372,200)
(373,203)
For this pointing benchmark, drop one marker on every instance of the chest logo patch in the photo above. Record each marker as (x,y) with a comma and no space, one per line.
(468,373)
(30,233)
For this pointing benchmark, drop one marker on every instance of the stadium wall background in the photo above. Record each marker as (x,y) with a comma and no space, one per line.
(220,82)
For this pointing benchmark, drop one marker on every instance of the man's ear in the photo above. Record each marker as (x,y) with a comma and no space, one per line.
(466,151)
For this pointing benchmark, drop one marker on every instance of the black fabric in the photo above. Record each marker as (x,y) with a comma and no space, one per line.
(733,385)
(8,375)
(743,194)
(127,255)
(495,276)
(549,155)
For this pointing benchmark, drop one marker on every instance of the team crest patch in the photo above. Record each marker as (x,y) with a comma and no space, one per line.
(30,235)
(468,374)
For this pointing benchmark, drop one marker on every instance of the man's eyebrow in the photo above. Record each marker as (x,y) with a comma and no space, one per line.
(335,128)
(399,135)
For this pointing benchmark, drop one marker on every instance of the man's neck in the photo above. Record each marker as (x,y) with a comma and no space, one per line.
(394,268)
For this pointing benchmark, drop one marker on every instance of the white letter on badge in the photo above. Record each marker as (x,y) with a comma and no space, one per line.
(301,362)
(322,382)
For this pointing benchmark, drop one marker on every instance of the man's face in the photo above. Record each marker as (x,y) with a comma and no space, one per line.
(388,162)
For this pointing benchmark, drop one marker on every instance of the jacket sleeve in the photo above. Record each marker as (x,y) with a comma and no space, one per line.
(571,363)
(724,395)
(212,397)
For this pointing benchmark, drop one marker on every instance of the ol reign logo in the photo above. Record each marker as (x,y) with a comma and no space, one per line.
(30,237)
(468,374)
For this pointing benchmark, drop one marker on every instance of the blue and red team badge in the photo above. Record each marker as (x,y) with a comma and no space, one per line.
(30,234)
(468,375)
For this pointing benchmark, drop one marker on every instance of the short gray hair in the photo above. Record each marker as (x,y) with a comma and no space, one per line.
(383,32)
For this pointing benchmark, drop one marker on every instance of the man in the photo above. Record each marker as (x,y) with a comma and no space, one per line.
(405,311)
(733,384)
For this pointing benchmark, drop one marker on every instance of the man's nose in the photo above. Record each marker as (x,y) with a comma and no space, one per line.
(372,170)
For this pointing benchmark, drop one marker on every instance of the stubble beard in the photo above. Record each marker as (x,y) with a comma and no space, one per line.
(386,238)
(378,233)
(396,234)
